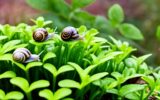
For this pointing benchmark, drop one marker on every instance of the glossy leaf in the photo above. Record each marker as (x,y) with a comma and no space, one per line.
(7,74)
(64,68)
(38,84)
(69,83)
(150,81)
(109,56)
(3,38)
(61,93)
(21,66)
(49,55)
(97,76)
(33,64)
(46,93)
(21,83)
(51,68)
(142,58)
(77,67)
(6,57)
(2,94)
(14,95)
(126,89)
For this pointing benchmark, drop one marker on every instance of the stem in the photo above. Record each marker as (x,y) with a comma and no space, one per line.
(54,83)
(29,96)
(27,75)
(142,93)
(79,94)
(152,90)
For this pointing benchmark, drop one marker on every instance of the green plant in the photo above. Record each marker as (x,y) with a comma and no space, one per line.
(88,68)
(64,14)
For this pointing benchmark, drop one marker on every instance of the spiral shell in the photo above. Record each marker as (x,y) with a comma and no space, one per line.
(21,55)
(40,34)
(69,33)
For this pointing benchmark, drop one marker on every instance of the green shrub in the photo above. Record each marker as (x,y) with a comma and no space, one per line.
(88,68)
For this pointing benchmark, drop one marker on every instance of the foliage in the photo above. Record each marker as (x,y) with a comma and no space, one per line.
(90,68)
(64,14)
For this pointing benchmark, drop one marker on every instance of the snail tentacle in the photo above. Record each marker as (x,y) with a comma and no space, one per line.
(33,57)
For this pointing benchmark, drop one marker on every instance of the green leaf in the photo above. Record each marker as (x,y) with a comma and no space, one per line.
(109,56)
(41,43)
(143,58)
(46,93)
(65,68)
(116,75)
(40,4)
(38,84)
(14,47)
(21,83)
(33,64)
(69,84)
(97,76)
(130,31)
(116,14)
(81,3)
(6,57)
(131,62)
(7,74)
(68,99)
(105,81)
(9,45)
(158,33)
(51,68)
(61,93)
(3,37)
(112,91)
(49,55)
(150,81)
(132,96)
(78,68)
(89,68)
(2,94)
(126,89)
(82,29)
(14,95)
(20,65)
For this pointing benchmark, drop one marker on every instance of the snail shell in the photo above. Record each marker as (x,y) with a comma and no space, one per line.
(23,55)
(69,33)
(41,35)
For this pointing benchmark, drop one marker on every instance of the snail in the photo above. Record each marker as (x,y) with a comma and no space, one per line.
(70,33)
(41,35)
(23,55)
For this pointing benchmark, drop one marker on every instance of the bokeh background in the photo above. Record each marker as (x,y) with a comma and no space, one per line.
(142,13)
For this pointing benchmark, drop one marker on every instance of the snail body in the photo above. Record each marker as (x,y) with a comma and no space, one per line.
(23,55)
(70,33)
(41,35)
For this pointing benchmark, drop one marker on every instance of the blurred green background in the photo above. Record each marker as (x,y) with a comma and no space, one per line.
(93,13)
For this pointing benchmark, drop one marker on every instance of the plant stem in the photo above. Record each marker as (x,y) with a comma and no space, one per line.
(27,75)
(29,96)
(54,83)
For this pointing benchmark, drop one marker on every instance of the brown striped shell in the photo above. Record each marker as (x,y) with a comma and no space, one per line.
(69,33)
(21,55)
(40,34)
